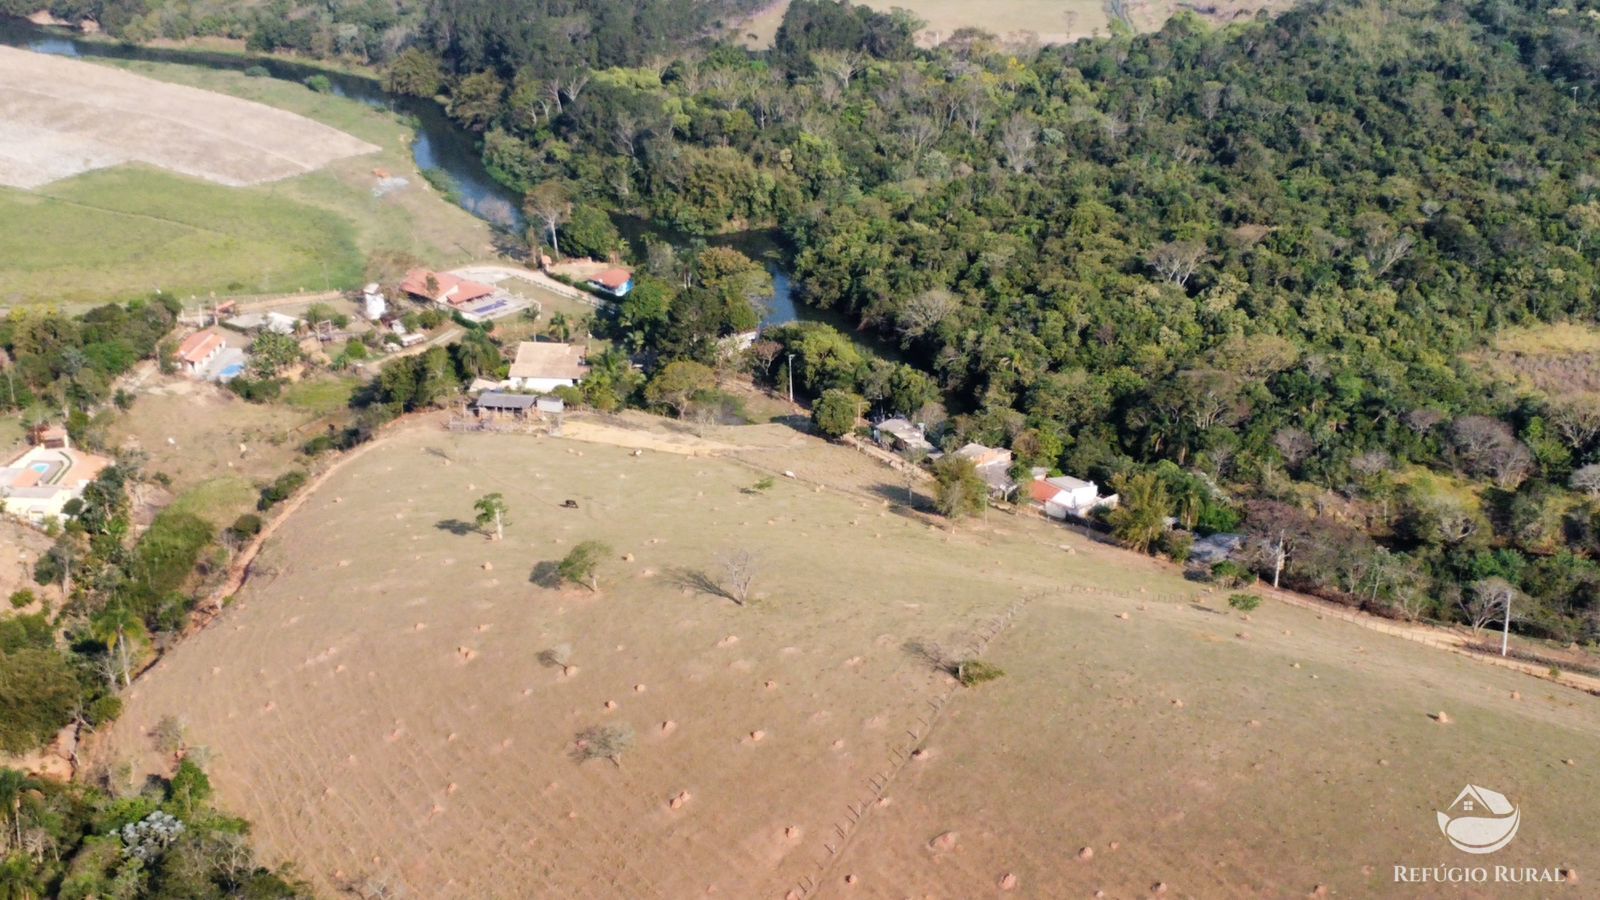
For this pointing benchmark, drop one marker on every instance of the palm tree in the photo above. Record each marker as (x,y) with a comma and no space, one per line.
(1141,517)
(560,327)
(12,784)
(112,628)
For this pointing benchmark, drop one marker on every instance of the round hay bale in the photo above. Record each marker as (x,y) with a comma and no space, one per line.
(1008,882)
(1087,853)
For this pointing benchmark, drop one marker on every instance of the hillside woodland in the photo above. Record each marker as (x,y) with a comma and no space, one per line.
(1247,261)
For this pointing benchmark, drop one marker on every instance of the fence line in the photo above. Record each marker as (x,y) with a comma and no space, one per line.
(901,755)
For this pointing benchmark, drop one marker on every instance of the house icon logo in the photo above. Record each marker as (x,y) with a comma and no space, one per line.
(1480,820)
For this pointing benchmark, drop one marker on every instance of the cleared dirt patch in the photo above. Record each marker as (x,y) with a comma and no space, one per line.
(60,117)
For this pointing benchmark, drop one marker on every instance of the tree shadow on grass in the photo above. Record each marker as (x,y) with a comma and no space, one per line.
(546,574)
(697,580)
(933,656)
(456,527)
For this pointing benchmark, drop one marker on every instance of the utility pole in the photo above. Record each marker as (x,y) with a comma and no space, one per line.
(791,378)
(1505,632)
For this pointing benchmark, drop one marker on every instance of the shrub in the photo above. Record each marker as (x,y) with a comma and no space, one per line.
(1229,574)
(972,672)
(279,490)
(104,710)
(1244,602)
(257,72)
(1177,545)
(245,527)
(21,598)
(320,83)
(603,742)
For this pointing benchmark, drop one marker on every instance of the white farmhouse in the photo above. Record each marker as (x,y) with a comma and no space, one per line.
(543,367)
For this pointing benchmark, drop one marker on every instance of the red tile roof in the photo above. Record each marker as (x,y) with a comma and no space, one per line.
(1042,491)
(613,278)
(452,289)
(196,347)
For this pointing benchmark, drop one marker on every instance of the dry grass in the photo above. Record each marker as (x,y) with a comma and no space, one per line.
(1559,360)
(1021,21)
(213,445)
(432,748)
(60,117)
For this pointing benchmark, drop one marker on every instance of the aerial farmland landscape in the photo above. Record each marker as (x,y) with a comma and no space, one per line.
(640,448)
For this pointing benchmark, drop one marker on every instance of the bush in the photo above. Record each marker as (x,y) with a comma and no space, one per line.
(104,710)
(279,490)
(1177,545)
(257,72)
(971,672)
(1229,574)
(1244,602)
(21,598)
(245,527)
(320,83)
(256,390)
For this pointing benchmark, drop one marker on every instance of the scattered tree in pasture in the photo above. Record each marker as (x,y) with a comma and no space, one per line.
(1244,603)
(582,565)
(679,385)
(492,510)
(603,742)
(835,413)
(739,569)
(958,488)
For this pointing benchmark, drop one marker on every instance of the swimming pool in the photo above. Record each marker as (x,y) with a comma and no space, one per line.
(231,371)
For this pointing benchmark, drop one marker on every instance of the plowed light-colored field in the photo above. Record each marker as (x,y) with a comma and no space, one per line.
(62,117)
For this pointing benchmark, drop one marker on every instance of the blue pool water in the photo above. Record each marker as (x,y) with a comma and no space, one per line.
(232,371)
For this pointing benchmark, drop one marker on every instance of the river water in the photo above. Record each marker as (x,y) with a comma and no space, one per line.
(441,148)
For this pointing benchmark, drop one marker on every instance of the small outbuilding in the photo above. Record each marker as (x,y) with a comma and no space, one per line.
(615,281)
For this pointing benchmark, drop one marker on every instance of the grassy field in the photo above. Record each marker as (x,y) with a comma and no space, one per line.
(133,230)
(215,447)
(805,741)
(154,229)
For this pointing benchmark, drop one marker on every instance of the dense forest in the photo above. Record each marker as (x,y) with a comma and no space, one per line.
(1253,255)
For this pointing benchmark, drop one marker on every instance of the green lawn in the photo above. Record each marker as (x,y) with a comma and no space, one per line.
(132,230)
(218,501)
(323,396)
(126,231)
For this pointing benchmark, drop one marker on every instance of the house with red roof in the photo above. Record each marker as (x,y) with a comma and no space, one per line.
(615,281)
(443,288)
(198,350)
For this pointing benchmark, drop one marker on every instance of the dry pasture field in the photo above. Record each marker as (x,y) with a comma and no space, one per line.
(62,117)
(1045,21)
(375,702)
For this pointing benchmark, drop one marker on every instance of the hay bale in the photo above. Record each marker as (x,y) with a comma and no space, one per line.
(1442,717)
(1086,854)
(1008,882)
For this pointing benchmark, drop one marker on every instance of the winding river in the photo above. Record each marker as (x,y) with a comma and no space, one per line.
(441,147)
